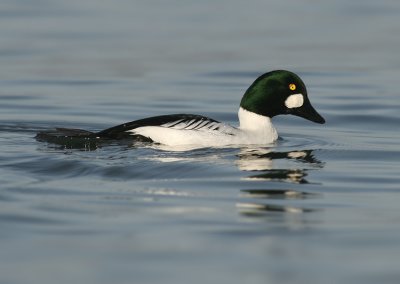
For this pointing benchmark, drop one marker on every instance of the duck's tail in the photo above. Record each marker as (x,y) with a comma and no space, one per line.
(65,133)
(69,137)
(83,139)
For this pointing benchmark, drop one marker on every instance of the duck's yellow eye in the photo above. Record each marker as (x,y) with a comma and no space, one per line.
(292,87)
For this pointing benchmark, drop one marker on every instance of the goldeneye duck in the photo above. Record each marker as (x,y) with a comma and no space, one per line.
(273,93)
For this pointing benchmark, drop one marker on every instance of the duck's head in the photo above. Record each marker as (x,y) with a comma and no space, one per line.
(279,92)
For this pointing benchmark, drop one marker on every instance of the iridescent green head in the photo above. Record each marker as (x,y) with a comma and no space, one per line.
(279,92)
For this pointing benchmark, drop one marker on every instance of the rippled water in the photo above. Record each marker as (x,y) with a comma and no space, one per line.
(319,206)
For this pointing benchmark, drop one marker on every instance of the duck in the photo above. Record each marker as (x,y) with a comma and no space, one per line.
(278,92)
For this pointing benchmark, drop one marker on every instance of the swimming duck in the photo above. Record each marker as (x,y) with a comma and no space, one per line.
(273,93)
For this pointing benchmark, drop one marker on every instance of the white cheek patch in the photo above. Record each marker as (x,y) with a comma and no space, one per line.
(295,100)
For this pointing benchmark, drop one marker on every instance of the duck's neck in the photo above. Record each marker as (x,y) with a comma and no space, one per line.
(259,124)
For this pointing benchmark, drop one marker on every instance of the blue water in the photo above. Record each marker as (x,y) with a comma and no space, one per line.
(320,206)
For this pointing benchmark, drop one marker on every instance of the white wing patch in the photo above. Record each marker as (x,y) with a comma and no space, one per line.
(294,101)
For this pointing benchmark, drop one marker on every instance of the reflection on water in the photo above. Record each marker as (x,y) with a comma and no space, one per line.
(261,160)
(283,175)
(258,159)
(276,194)
(263,201)
(256,209)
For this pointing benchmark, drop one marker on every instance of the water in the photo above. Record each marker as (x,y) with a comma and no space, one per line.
(320,206)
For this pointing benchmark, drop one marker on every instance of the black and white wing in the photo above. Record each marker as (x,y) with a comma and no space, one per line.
(172,121)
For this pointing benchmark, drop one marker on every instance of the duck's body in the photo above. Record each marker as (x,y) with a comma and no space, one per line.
(186,129)
(276,92)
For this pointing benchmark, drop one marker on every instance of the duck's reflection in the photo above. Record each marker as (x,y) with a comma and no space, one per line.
(276,194)
(260,202)
(261,160)
(286,206)
(285,175)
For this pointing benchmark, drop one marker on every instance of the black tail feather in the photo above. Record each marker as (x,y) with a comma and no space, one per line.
(65,133)
(83,139)
(69,138)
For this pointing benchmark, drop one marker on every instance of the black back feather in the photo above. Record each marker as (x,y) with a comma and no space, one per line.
(120,131)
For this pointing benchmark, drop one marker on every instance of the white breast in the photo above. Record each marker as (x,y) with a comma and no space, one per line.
(258,128)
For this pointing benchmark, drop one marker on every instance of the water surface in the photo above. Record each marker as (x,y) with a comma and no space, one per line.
(321,205)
